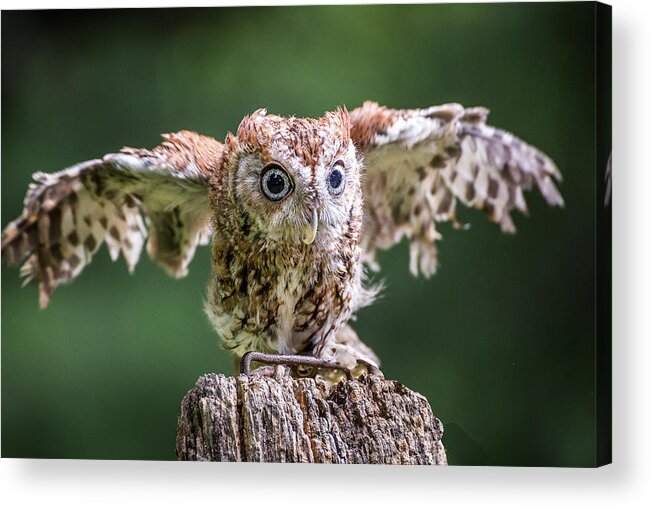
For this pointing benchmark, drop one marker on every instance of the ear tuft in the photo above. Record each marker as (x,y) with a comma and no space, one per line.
(341,119)
(231,142)
(247,132)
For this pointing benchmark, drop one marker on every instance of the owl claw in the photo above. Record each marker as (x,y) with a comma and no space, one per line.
(265,372)
(365,367)
(301,366)
(276,372)
(305,366)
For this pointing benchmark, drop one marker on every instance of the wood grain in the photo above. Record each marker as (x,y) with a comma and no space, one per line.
(368,420)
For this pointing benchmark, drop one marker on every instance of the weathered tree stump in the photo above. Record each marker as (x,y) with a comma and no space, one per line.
(368,420)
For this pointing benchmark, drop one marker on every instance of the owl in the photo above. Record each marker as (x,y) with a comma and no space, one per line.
(294,210)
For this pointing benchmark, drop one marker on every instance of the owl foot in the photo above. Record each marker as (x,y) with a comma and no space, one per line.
(276,371)
(303,366)
(361,367)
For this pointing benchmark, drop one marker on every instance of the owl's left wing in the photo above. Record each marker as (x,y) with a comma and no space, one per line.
(420,162)
(124,199)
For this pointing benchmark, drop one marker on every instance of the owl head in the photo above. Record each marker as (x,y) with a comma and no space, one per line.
(298,179)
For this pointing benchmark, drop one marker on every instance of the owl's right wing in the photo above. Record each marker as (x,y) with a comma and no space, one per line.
(120,199)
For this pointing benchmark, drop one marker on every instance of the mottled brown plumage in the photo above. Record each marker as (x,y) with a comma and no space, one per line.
(295,208)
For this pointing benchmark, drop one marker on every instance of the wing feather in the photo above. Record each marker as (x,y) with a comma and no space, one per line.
(420,162)
(124,200)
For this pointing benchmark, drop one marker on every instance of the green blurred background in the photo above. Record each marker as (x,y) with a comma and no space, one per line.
(501,340)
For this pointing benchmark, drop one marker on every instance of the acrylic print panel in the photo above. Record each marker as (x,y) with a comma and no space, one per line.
(505,341)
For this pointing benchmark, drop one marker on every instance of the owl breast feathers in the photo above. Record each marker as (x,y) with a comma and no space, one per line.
(294,208)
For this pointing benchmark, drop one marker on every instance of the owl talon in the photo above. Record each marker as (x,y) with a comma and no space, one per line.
(264,372)
(359,370)
(276,372)
(279,371)
(301,366)
(367,367)
(304,367)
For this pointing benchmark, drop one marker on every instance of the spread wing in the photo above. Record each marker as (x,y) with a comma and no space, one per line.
(124,199)
(421,162)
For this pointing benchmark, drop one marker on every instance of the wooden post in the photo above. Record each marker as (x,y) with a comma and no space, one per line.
(368,420)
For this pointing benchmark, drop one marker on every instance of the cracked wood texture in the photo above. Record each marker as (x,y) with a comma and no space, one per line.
(368,420)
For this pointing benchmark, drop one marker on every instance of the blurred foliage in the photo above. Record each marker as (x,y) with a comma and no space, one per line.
(501,340)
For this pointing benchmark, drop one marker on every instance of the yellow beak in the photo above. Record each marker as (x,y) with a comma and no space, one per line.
(310,229)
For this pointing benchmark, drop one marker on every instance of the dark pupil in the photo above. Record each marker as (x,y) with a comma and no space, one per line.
(336,178)
(275,183)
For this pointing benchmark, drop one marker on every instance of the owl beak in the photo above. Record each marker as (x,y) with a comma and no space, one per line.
(310,228)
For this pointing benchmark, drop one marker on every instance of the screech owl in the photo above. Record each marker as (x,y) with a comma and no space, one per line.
(295,210)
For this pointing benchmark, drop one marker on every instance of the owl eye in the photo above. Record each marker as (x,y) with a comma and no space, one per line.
(275,182)
(336,181)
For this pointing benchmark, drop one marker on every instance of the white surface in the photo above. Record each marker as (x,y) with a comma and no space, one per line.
(626,482)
